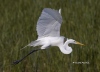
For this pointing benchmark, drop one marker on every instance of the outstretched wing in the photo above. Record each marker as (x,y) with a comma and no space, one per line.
(49,23)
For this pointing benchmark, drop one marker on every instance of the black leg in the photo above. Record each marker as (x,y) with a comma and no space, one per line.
(17,61)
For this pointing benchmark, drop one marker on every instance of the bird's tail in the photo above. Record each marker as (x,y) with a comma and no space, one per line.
(24,47)
(33,43)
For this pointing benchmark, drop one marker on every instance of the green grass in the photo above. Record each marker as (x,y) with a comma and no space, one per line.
(81,21)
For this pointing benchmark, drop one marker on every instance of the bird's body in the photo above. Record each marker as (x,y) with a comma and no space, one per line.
(45,42)
(51,41)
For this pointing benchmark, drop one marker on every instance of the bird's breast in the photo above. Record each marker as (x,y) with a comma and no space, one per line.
(55,41)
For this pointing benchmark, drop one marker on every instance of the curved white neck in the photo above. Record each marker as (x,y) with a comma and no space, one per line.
(65,48)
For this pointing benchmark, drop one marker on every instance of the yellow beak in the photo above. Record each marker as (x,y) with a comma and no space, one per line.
(79,43)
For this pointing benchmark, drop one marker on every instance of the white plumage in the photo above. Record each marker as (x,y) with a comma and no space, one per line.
(49,23)
(48,30)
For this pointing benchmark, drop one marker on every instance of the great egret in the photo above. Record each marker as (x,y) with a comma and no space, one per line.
(48,30)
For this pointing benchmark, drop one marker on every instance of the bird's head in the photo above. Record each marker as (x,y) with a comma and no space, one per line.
(73,42)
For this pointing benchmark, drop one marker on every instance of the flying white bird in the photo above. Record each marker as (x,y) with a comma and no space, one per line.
(48,30)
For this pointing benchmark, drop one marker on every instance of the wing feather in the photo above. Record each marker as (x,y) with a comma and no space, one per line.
(49,23)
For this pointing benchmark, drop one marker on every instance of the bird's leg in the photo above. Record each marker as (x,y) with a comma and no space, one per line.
(17,61)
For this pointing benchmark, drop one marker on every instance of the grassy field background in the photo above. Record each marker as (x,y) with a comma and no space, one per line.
(81,21)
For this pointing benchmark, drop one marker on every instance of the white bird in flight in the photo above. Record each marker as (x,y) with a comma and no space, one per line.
(48,30)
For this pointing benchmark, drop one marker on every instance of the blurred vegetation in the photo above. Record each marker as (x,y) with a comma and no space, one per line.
(81,21)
